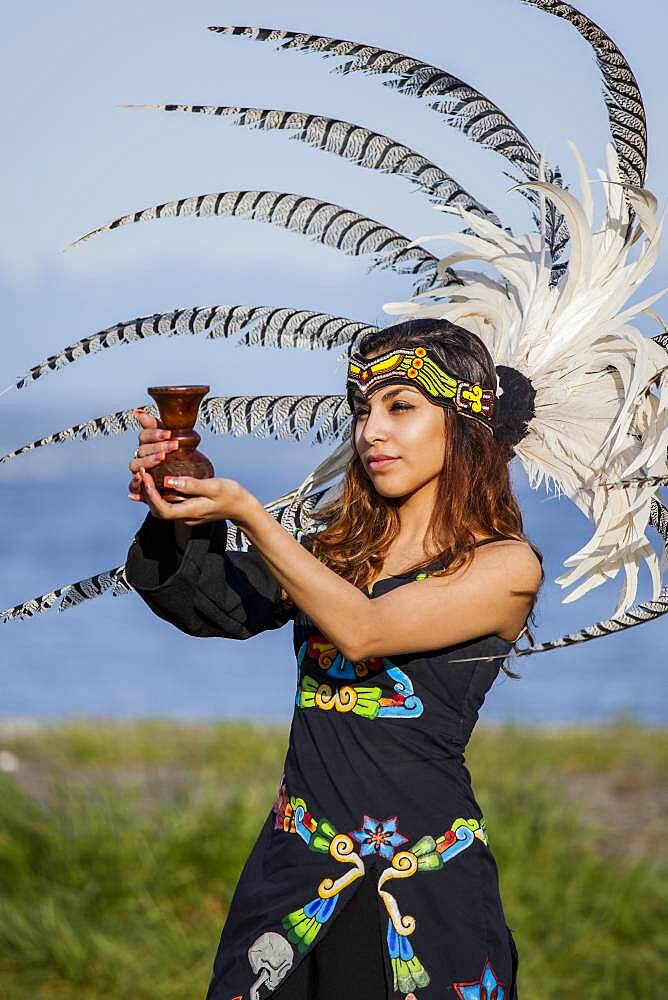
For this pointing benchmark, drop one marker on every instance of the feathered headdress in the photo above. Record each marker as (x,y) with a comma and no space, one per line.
(582,396)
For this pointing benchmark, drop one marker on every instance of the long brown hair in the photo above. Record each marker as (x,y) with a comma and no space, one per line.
(474,488)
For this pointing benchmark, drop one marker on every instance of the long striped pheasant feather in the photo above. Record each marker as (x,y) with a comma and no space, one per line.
(295,518)
(277,416)
(626,111)
(349,141)
(463,106)
(265,326)
(263,416)
(321,221)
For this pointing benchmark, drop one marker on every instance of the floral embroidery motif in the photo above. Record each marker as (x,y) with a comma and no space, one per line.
(488,987)
(379,837)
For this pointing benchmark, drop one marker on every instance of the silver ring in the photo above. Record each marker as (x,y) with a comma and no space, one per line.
(136,452)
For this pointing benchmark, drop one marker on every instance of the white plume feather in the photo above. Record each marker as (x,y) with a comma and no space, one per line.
(601,405)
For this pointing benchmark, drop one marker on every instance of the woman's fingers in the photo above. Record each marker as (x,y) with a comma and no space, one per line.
(135,464)
(153,434)
(159,507)
(146,420)
(151,455)
(135,487)
(156,448)
(152,429)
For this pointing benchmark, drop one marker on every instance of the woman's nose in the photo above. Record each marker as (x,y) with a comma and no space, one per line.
(375,427)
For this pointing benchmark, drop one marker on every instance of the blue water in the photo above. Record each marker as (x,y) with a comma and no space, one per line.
(65,519)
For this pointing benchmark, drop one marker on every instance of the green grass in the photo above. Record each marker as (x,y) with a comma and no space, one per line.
(121,844)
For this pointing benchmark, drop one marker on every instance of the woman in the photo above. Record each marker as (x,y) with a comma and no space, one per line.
(372,876)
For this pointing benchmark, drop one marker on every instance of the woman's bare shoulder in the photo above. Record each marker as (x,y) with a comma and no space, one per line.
(517,554)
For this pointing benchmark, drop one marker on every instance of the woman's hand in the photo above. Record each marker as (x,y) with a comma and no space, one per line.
(211,500)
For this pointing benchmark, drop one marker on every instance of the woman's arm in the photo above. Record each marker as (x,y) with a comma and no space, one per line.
(491,594)
(487,597)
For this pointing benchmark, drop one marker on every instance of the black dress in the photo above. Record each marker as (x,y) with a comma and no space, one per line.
(375,815)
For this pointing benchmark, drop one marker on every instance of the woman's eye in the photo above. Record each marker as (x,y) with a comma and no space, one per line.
(399,405)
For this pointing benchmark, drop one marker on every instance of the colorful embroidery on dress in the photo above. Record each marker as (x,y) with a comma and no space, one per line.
(408,971)
(426,854)
(378,838)
(321,652)
(370,702)
(488,987)
(303,925)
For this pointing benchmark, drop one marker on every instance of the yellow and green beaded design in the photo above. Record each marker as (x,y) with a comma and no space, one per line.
(418,368)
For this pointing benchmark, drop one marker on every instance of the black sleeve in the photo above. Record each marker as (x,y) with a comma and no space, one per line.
(204,590)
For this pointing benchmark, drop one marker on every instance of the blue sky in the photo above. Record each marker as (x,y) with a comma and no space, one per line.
(74,159)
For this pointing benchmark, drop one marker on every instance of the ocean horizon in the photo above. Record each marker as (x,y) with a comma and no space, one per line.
(112,658)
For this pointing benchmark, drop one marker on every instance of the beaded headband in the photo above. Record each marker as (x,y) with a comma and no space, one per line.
(415,366)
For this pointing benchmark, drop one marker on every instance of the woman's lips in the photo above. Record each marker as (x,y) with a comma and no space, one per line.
(379,464)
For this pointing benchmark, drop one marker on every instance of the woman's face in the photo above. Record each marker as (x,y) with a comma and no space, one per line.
(400,423)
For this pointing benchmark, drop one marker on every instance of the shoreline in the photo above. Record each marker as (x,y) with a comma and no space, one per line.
(25,725)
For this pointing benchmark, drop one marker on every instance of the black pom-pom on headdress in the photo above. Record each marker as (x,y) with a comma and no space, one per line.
(514,407)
